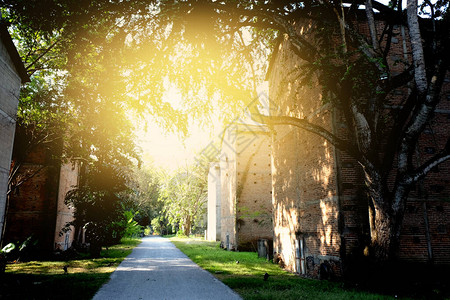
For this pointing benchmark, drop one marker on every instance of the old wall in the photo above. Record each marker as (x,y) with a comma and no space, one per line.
(426,227)
(254,190)
(246,191)
(304,173)
(68,179)
(32,205)
(10,82)
(228,175)
(318,191)
(214,203)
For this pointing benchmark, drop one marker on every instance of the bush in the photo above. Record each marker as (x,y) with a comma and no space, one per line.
(131,227)
(147,230)
(181,234)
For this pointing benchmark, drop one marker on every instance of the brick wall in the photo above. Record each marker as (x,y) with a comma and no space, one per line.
(246,191)
(36,207)
(304,172)
(318,191)
(68,179)
(254,191)
(32,205)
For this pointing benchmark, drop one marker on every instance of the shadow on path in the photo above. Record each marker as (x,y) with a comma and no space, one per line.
(156,269)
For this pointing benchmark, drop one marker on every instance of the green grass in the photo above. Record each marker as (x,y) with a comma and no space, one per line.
(246,277)
(47,279)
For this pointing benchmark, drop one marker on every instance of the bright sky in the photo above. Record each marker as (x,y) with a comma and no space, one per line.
(167,150)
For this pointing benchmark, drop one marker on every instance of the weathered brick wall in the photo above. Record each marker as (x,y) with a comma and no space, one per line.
(319,192)
(246,197)
(68,179)
(32,205)
(304,173)
(426,228)
(254,190)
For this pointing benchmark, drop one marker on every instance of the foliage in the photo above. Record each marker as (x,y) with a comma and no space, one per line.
(147,230)
(98,206)
(8,248)
(146,48)
(144,186)
(48,280)
(131,227)
(161,226)
(216,53)
(181,234)
(75,108)
(184,196)
(4,252)
(346,54)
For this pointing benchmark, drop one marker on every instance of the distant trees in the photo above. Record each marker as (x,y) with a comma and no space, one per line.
(184,196)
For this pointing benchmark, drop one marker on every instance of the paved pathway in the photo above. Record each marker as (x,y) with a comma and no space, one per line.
(156,269)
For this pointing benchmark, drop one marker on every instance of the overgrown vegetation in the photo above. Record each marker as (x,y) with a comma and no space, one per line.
(48,279)
(244,273)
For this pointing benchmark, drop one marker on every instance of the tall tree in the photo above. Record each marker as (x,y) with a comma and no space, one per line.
(184,196)
(144,184)
(76,106)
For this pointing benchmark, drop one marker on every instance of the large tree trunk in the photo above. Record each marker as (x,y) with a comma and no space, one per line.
(386,212)
(382,231)
(187,226)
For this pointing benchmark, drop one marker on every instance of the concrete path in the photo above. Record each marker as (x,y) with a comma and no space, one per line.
(156,269)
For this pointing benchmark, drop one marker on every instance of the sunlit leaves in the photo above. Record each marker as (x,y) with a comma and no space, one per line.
(184,196)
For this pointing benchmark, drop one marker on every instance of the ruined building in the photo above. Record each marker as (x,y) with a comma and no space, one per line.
(320,213)
(245,190)
(317,197)
(36,207)
(12,75)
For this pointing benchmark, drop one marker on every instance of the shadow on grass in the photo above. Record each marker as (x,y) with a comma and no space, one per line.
(57,286)
(47,279)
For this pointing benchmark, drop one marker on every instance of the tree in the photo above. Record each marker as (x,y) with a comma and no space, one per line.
(201,44)
(144,185)
(352,70)
(78,116)
(98,205)
(40,116)
(184,196)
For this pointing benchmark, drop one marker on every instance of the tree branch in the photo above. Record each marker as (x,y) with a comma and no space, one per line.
(417,47)
(304,124)
(423,170)
(371,22)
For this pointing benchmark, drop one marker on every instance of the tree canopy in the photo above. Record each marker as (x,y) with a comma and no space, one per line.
(216,53)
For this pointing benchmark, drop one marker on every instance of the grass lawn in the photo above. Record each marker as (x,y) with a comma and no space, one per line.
(47,279)
(246,277)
